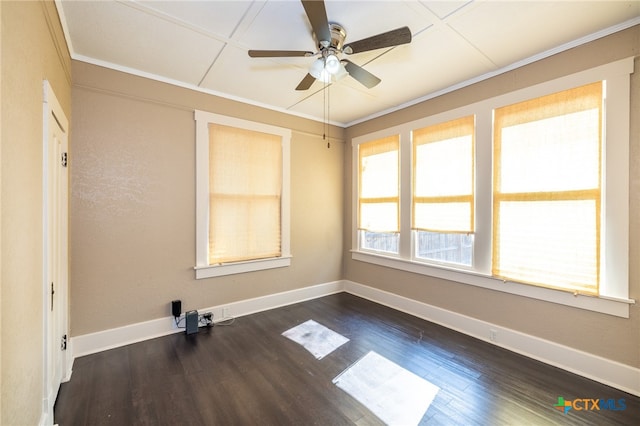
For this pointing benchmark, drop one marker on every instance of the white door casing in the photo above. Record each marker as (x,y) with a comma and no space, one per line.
(55,249)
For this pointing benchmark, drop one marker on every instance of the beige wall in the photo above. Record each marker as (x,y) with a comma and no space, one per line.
(607,336)
(33,49)
(133,202)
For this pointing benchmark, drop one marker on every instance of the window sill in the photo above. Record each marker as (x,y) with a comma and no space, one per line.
(211,271)
(612,306)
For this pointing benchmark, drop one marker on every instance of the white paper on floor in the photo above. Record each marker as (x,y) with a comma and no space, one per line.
(316,338)
(397,396)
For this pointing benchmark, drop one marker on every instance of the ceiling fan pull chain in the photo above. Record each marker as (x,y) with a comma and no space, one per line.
(328,114)
(324,112)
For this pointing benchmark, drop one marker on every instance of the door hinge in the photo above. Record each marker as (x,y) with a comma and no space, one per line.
(63,343)
(64,159)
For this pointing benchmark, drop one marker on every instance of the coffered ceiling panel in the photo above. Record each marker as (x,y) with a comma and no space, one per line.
(133,38)
(527,28)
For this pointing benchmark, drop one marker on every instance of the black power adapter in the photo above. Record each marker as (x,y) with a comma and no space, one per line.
(176,308)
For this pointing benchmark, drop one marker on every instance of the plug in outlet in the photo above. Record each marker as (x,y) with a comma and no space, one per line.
(493,335)
(226,312)
(207,319)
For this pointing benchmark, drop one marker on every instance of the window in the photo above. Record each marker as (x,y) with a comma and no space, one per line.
(525,193)
(242,196)
(378,195)
(547,193)
(245,183)
(443,191)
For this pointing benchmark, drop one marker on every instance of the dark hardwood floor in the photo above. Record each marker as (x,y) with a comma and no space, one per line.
(248,374)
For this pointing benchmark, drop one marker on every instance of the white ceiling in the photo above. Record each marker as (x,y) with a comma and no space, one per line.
(203,45)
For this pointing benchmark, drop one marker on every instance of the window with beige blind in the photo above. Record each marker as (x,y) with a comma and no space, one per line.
(245,184)
(547,190)
(443,191)
(378,194)
(242,195)
(526,192)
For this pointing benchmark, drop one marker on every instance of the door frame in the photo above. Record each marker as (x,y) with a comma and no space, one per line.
(55,220)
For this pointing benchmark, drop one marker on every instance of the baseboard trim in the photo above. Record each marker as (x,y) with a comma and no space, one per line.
(606,371)
(87,344)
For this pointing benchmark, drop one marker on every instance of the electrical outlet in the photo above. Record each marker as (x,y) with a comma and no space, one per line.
(226,312)
(493,335)
(207,319)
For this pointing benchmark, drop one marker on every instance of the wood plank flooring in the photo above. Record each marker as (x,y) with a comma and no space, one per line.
(248,374)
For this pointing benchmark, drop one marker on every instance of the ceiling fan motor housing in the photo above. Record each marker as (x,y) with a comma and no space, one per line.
(338,34)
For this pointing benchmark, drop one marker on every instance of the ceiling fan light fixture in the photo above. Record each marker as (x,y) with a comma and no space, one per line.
(317,69)
(332,64)
(325,76)
(342,72)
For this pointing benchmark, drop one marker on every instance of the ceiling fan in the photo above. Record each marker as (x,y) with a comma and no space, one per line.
(330,39)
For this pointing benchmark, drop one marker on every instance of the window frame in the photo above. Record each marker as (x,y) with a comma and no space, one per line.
(614,290)
(444,130)
(553,110)
(444,199)
(362,230)
(387,133)
(203,269)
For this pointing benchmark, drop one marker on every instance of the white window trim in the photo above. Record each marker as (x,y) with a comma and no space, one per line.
(614,298)
(203,269)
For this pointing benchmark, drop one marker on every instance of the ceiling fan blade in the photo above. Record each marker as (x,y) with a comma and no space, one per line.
(278,53)
(306,82)
(363,76)
(317,15)
(391,38)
